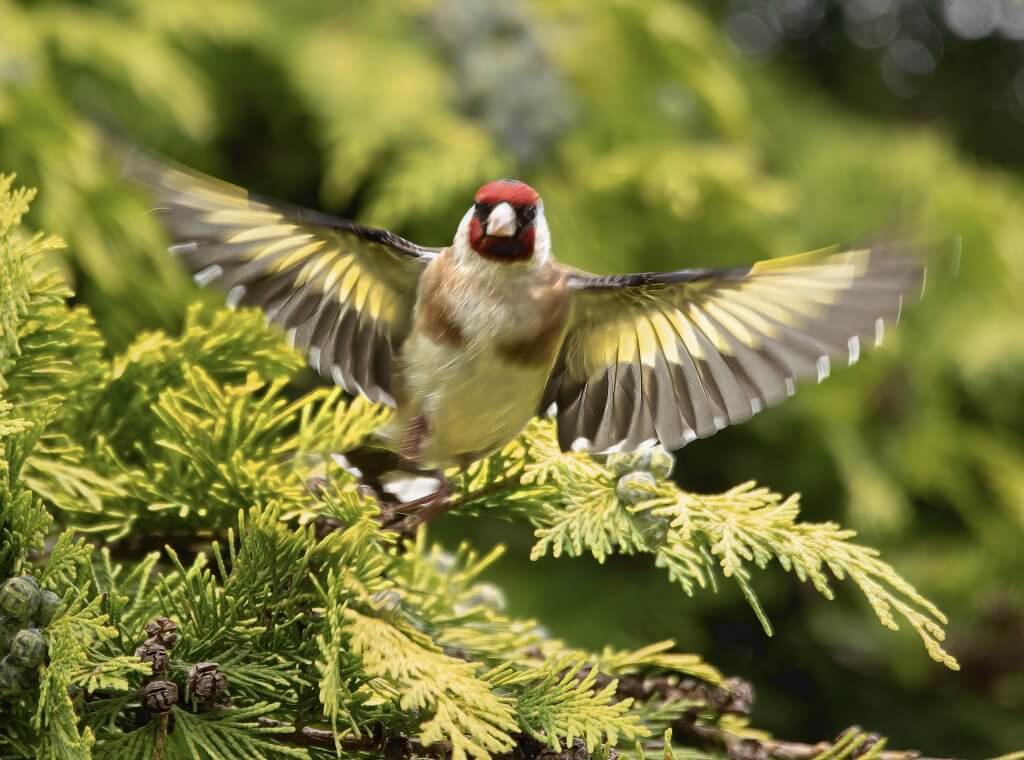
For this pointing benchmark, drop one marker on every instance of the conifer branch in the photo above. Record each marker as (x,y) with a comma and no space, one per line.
(733,696)
(389,746)
(400,746)
(851,743)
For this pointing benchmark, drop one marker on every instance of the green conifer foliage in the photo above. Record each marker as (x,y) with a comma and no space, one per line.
(146,419)
(266,618)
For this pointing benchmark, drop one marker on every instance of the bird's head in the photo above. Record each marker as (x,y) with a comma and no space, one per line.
(506,223)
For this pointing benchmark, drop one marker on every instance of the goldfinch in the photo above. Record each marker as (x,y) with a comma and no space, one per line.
(469,341)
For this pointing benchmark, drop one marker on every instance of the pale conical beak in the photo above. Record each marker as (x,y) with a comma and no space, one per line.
(502,221)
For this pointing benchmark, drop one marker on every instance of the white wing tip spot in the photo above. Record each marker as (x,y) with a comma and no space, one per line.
(756,406)
(314,357)
(235,296)
(552,410)
(824,367)
(854,346)
(270,312)
(342,461)
(879,331)
(583,444)
(339,379)
(179,248)
(613,449)
(689,436)
(790,386)
(721,422)
(208,274)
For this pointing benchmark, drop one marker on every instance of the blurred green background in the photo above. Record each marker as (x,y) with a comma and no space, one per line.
(661,134)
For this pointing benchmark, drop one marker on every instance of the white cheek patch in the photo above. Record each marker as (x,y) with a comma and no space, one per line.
(542,237)
(464,254)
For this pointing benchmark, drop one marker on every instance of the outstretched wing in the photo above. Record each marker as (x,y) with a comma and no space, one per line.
(343,292)
(677,356)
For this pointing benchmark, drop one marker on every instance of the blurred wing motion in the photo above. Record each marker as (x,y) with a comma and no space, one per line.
(343,292)
(677,356)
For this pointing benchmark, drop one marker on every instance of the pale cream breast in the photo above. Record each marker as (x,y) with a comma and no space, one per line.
(473,404)
(477,361)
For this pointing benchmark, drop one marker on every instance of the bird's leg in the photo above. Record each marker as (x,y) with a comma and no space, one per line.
(411,445)
(370,463)
(410,448)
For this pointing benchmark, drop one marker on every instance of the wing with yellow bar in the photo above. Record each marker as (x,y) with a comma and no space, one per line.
(676,356)
(343,292)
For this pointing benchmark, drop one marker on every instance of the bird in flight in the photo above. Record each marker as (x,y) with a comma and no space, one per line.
(468,342)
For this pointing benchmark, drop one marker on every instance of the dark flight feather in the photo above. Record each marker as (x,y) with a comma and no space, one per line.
(680,355)
(344,292)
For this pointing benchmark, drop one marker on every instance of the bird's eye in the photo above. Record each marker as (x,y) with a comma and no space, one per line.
(527,214)
(483,210)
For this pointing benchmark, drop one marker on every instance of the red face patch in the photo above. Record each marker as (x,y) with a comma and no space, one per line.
(510,191)
(521,197)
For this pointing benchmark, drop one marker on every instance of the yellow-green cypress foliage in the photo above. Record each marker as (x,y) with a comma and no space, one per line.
(160,495)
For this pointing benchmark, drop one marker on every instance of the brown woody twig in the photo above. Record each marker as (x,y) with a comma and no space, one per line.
(712,737)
